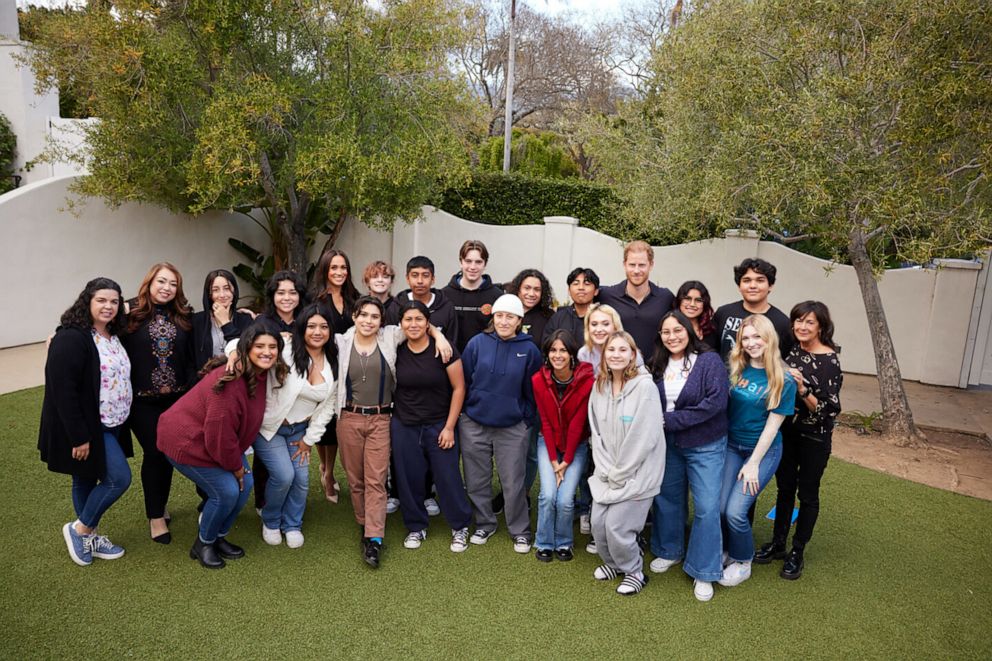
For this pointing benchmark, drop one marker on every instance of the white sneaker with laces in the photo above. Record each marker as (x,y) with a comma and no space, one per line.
(735,574)
(294,539)
(703,590)
(661,565)
(392,504)
(433,509)
(415,539)
(459,540)
(521,544)
(591,547)
(585,524)
(272,537)
(481,536)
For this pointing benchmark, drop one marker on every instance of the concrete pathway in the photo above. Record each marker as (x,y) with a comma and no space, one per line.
(952,409)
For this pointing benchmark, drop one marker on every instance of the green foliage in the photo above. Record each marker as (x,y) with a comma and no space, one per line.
(284,105)
(821,118)
(72,99)
(514,199)
(862,423)
(532,153)
(8,150)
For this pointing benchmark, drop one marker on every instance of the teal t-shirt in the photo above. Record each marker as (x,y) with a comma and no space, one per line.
(748,406)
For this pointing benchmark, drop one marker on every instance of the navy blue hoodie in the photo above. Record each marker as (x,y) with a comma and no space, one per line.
(498,379)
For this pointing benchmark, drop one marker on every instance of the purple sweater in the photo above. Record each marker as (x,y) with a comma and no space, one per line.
(700,414)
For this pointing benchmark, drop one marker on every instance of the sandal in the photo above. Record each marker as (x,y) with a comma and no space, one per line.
(631,585)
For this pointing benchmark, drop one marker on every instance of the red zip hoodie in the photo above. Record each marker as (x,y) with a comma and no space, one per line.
(565,421)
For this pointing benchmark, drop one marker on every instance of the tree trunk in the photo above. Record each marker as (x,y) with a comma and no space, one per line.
(897,417)
(296,238)
(336,232)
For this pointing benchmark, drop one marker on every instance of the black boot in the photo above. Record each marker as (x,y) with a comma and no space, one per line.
(228,550)
(371,553)
(793,567)
(773,550)
(206,554)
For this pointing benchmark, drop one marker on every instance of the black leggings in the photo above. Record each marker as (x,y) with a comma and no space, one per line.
(802,466)
(156,471)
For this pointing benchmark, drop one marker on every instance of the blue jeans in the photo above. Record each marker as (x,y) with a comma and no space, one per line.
(556,502)
(737,535)
(224,500)
(91,498)
(535,439)
(700,470)
(286,490)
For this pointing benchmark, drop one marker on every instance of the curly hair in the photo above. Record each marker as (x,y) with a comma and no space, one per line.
(79,316)
(179,311)
(547,295)
(243,367)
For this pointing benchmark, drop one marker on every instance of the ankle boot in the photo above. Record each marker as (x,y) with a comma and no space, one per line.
(227,550)
(206,554)
(773,550)
(793,567)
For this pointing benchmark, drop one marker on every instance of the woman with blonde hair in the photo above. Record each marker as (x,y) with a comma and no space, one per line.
(762,394)
(628,444)
(600,323)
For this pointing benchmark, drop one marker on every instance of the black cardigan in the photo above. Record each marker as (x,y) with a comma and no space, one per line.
(70,412)
(203,341)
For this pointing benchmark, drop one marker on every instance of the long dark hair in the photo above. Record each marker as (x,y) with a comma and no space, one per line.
(78,315)
(243,367)
(822,314)
(547,296)
(273,285)
(706,318)
(659,361)
(566,339)
(208,283)
(318,289)
(178,309)
(301,357)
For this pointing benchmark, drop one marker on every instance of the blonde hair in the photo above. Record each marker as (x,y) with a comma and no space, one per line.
(770,358)
(603,374)
(609,312)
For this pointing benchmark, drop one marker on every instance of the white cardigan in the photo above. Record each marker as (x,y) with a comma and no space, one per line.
(388,339)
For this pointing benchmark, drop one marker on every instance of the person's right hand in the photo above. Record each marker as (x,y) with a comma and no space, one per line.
(240,475)
(81,452)
(232,360)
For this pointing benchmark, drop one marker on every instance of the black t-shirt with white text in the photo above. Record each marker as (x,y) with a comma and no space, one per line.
(727,320)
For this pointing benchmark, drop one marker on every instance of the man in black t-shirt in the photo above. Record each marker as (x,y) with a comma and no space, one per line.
(755,279)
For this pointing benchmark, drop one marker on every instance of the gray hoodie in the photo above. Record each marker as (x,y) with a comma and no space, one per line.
(628,441)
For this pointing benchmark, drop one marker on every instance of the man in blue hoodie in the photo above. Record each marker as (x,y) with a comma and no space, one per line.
(499,409)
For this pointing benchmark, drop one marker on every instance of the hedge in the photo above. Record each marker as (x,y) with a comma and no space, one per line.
(8,147)
(511,199)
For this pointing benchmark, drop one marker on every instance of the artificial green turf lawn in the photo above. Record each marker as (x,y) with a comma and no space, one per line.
(896,570)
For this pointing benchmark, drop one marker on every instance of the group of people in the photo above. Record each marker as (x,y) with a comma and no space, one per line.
(623,402)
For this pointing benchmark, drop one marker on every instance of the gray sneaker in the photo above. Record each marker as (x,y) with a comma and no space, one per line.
(104,549)
(79,545)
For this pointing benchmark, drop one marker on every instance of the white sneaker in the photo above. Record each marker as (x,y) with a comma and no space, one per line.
(271,537)
(294,539)
(725,558)
(459,540)
(661,565)
(703,590)
(415,539)
(521,544)
(735,574)
(433,509)
(392,504)
(481,536)
(585,526)
(591,547)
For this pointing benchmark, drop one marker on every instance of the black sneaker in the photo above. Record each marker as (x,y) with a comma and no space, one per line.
(563,554)
(372,552)
(544,555)
(793,567)
(773,550)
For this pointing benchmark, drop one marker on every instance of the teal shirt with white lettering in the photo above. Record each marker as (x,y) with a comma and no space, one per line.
(748,410)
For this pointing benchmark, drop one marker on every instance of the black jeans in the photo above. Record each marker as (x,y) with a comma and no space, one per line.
(803,461)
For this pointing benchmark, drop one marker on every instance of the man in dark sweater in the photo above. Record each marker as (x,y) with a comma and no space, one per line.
(638,301)
(583,287)
(472,292)
(755,278)
(420,277)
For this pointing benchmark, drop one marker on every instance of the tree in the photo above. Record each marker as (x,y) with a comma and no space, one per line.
(8,150)
(281,104)
(558,65)
(865,123)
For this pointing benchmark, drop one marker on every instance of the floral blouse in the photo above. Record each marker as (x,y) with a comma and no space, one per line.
(821,373)
(115,380)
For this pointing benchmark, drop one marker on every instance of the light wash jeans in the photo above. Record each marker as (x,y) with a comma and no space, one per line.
(556,502)
(224,500)
(737,536)
(699,470)
(91,498)
(289,480)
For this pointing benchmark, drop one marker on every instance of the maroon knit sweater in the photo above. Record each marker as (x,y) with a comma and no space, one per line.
(213,429)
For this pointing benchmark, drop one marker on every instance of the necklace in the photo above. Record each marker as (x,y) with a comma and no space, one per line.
(363,359)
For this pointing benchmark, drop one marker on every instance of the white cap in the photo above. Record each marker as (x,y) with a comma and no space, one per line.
(509,303)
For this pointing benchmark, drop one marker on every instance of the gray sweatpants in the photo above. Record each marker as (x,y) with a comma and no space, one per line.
(508,446)
(615,528)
